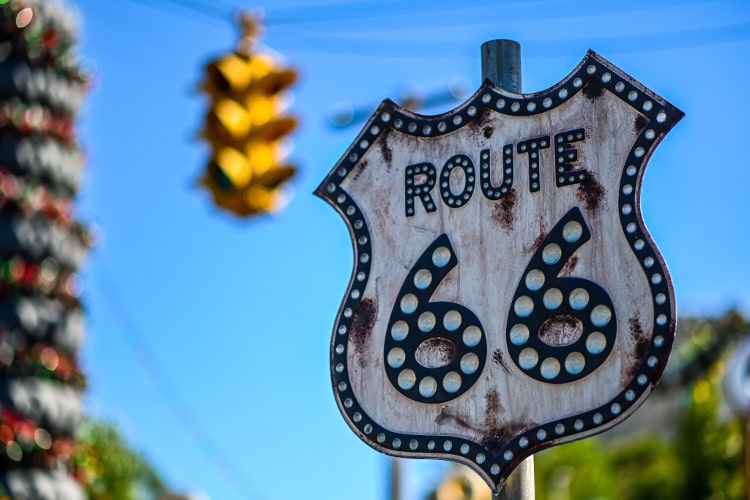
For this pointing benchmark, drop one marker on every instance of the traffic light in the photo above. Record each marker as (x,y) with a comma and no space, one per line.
(246,127)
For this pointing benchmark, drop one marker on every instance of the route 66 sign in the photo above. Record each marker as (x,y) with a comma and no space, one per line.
(506,296)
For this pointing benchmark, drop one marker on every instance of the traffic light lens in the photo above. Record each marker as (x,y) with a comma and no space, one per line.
(232,73)
(230,119)
(229,169)
(219,177)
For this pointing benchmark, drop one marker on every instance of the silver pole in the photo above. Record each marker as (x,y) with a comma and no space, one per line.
(395,479)
(520,483)
(501,64)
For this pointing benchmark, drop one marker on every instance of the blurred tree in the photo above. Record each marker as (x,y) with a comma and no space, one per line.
(111,469)
(703,459)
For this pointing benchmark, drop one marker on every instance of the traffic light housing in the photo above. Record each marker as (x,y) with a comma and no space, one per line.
(246,127)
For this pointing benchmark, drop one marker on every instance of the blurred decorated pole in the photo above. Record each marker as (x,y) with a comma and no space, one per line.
(501,64)
(41,247)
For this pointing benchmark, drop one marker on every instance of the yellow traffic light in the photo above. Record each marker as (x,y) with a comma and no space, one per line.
(263,196)
(230,169)
(254,116)
(232,73)
(237,72)
(245,127)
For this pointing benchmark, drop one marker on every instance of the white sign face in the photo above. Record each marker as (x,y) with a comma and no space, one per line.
(506,296)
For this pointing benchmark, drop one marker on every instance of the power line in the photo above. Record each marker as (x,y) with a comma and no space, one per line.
(512,11)
(214,12)
(424,49)
(177,404)
(334,41)
(372,9)
(368,10)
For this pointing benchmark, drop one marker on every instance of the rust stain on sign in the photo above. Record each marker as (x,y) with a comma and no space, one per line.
(364,319)
(640,123)
(493,409)
(641,340)
(535,246)
(446,416)
(641,344)
(569,266)
(385,150)
(593,89)
(590,191)
(561,330)
(435,352)
(504,210)
(497,438)
(497,357)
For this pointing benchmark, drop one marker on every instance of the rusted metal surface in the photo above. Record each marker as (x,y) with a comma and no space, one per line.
(506,295)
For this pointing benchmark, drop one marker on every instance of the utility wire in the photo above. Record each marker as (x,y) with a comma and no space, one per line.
(371,9)
(159,376)
(353,42)
(214,12)
(222,11)
(511,11)
(625,44)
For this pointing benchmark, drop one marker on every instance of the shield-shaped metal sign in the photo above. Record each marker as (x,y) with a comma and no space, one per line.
(506,296)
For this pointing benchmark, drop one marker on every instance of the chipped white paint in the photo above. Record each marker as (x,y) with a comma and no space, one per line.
(491,316)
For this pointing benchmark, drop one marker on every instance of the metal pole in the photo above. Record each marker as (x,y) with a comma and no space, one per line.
(395,479)
(501,64)
(520,483)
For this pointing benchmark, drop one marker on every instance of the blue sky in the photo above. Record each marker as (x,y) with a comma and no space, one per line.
(208,336)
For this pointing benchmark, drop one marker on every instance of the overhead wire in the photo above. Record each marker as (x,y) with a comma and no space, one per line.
(371,9)
(622,44)
(215,14)
(349,40)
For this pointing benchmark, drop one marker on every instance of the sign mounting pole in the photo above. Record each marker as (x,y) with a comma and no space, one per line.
(501,64)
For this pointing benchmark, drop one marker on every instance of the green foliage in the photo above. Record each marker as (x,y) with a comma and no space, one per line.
(577,470)
(700,458)
(710,450)
(111,469)
(703,461)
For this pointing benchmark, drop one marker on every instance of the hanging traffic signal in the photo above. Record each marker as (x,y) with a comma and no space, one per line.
(246,127)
